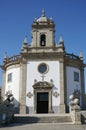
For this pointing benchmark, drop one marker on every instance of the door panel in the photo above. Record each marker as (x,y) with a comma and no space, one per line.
(42,102)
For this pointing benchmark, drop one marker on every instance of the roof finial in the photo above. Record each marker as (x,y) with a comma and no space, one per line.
(81,56)
(61,39)
(43,13)
(5,55)
(61,42)
(25,44)
(25,40)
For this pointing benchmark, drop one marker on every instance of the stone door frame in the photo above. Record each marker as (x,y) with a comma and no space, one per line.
(42,87)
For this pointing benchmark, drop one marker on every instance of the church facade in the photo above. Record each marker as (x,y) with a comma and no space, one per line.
(43,76)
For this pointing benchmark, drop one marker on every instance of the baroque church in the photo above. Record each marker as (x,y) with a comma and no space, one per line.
(43,76)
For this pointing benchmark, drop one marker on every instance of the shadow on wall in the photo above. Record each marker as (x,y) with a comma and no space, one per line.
(29,109)
(16,106)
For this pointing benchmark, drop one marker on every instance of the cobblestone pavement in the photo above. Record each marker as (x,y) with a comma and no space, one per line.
(44,126)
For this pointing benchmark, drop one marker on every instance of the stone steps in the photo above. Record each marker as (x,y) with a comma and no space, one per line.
(42,118)
(83,117)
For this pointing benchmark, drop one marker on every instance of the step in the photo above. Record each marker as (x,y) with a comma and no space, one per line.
(42,118)
(83,116)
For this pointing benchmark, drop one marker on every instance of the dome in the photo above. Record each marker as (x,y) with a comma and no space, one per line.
(43,18)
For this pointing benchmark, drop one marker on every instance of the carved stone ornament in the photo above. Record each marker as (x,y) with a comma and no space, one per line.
(55,94)
(29,94)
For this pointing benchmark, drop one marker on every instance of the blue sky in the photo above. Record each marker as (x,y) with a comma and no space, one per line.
(16,17)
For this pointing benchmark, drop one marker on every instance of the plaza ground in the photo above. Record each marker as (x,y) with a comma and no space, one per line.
(43,126)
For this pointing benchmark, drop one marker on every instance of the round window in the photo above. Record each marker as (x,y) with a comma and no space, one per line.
(43,68)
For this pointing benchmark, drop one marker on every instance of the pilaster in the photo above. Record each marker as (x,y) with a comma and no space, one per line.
(3,83)
(82,88)
(62,90)
(50,102)
(23,68)
(35,102)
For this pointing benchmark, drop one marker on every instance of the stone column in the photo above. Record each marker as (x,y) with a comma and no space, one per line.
(3,84)
(62,92)
(35,102)
(23,69)
(82,88)
(50,102)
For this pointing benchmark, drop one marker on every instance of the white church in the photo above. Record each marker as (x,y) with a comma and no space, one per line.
(43,76)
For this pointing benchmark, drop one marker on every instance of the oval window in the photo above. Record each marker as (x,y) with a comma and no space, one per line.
(43,68)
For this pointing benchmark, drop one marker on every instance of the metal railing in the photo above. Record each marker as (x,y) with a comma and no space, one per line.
(72,56)
(13,58)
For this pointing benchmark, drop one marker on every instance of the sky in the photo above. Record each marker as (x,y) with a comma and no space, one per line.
(16,17)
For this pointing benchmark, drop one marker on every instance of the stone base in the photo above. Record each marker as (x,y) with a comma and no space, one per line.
(43,118)
(22,109)
(62,108)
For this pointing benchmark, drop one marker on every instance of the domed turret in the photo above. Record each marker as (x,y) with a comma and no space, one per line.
(43,30)
(43,18)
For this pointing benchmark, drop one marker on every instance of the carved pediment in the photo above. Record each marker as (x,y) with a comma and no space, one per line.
(42,85)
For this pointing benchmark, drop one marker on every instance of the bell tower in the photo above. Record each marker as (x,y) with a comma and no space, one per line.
(43,30)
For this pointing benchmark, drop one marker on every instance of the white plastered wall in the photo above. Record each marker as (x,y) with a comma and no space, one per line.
(32,74)
(71,84)
(14,84)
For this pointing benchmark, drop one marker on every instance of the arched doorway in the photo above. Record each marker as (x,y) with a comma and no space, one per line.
(42,97)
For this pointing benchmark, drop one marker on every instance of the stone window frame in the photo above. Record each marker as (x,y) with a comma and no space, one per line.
(76,76)
(9,77)
(47,68)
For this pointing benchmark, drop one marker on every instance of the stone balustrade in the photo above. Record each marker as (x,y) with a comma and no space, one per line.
(72,56)
(12,59)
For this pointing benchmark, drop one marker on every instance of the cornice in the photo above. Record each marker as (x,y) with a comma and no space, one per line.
(74,63)
(23,58)
(44,85)
(40,26)
(44,56)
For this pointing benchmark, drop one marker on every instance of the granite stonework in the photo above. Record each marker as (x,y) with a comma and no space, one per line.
(57,81)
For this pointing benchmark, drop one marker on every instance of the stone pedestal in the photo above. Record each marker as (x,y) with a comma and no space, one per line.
(75,110)
(62,108)
(76,115)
